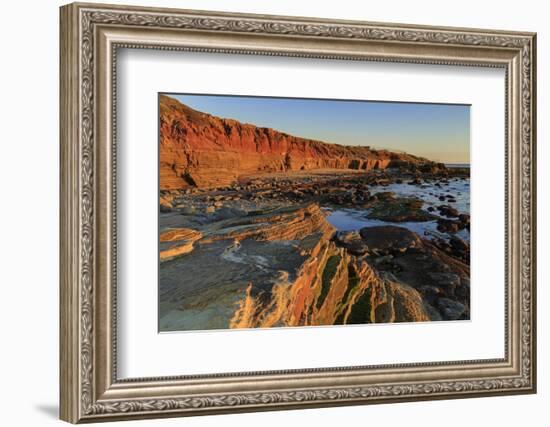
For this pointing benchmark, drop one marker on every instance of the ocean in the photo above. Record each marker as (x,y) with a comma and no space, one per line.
(355,219)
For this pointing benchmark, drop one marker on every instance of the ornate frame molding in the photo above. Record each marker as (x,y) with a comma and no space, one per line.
(90,36)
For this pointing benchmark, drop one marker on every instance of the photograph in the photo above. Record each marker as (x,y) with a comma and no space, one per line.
(280,212)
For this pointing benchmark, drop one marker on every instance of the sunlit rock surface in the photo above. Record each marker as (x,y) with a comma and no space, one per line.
(288,267)
(198,149)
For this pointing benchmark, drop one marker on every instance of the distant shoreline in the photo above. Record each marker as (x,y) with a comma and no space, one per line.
(457,165)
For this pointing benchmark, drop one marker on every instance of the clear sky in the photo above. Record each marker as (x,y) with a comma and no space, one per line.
(439,132)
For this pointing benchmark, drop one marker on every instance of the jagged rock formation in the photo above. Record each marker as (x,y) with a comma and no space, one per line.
(332,288)
(402,278)
(198,149)
(289,267)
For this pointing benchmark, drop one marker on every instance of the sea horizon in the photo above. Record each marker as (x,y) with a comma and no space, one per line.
(457,165)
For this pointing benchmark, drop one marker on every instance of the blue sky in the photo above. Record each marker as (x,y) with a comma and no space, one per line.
(440,132)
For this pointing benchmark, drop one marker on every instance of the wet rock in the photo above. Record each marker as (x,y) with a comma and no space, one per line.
(389,239)
(225,213)
(188,210)
(445,280)
(384,261)
(432,312)
(362,194)
(459,244)
(464,219)
(435,274)
(448,226)
(164,208)
(451,310)
(394,209)
(459,248)
(384,195)
(431,291)
(352,241)
(448,211)
(442,244)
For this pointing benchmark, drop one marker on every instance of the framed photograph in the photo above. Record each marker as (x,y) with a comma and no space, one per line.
(266,212)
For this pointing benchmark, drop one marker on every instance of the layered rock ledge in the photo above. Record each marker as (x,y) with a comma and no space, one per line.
(288,266)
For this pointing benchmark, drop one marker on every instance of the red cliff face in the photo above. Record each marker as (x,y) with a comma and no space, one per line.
(197,149)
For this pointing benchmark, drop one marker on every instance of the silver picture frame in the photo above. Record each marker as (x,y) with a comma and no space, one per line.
(90,37)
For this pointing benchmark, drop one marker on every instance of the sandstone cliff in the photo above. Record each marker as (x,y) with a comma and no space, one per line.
(198,149)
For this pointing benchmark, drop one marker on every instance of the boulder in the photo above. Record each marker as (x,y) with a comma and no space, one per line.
(448,211)
(451,310)
(394,209)
(352,241)
(459,244)
(388,239)
(448,226)
(384,195)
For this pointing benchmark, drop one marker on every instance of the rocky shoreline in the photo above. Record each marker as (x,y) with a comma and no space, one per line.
(262,252)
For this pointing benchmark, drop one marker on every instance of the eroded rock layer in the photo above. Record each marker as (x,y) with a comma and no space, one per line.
(201,150)
(289,267)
